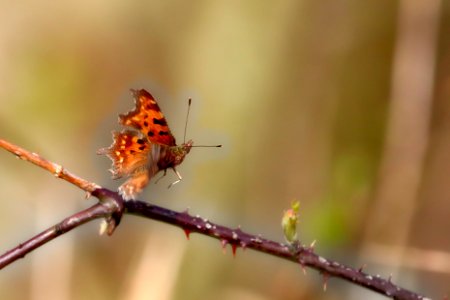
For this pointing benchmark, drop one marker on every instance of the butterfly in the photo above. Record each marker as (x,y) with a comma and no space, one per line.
(146,149)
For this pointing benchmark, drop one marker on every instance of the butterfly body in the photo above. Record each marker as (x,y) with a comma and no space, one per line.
(148,149)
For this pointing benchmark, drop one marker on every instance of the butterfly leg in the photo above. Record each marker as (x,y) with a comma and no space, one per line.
(176,181)
(164,174)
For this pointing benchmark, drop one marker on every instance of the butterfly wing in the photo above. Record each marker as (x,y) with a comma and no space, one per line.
(148,119)
(141,176)
(135,157)
(133,186)
(129,153)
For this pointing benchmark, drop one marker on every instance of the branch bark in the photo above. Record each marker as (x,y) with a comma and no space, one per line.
(111,207)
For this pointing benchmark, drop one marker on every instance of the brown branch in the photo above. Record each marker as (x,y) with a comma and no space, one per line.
(112,206)
(94,212)
(303,255)
(55,169)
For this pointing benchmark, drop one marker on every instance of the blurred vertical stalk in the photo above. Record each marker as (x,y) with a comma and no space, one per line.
(55,282)
(407,133)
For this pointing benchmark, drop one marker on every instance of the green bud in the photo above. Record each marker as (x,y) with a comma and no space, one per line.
(289,222)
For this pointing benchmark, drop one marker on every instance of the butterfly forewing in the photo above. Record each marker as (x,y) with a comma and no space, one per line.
(148,119)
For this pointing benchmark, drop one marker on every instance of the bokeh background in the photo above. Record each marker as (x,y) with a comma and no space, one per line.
(343,105)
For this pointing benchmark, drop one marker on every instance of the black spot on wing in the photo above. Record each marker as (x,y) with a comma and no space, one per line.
(161,121)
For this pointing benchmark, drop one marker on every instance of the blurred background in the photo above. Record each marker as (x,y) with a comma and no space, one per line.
(343,105)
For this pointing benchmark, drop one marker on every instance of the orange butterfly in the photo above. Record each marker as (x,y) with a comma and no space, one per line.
(141,154)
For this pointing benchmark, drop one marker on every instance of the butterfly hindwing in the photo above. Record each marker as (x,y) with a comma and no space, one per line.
(129,153)
(134,185)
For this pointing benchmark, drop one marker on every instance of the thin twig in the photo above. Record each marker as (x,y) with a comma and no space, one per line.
(55,169)
(93,212)
(112,206)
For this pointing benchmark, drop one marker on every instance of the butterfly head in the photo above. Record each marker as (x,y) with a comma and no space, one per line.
(187,146)
(181,151)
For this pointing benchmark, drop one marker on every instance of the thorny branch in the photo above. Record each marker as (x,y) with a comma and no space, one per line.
(111,207)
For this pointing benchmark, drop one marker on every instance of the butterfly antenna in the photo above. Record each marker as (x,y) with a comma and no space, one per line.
(187,119)
(186,124)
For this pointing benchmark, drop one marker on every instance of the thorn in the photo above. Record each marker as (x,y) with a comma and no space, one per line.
(311,246)
(361,268)
(224,246)
(87,195)
(390,278)
(233,248)
(325,281)
(302,265)
(111,226)
(243,245)
(187,232)
(103,227)
(19,155)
